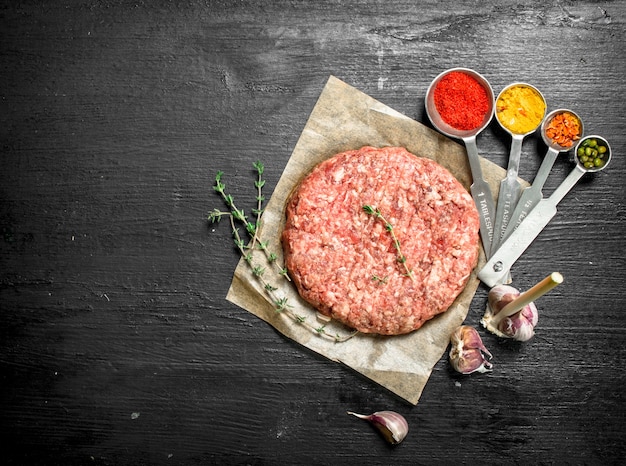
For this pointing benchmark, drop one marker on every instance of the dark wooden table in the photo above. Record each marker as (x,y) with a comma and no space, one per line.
(117,343)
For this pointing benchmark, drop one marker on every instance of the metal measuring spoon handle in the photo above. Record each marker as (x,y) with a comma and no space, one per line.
(498,266)
(531,195)
(509,194)
(481,192)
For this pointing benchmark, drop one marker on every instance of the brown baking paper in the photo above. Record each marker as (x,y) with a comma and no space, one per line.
(344,118)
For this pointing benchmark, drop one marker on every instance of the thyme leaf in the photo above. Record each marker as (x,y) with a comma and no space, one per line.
(368,209)
(381,280)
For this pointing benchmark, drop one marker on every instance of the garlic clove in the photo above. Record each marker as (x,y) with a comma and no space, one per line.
(471,361)
(393,426)
(468,354)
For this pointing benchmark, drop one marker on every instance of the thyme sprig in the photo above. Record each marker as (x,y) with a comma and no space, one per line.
(401,258)
(252,228)
(281,303)
(258,184)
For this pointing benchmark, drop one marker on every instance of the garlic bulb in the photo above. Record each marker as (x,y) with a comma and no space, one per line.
(513,315)
(520,325)
(468,353)
(391,425)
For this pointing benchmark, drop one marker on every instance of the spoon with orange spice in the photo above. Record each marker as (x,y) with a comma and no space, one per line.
(560,130)
(460,104)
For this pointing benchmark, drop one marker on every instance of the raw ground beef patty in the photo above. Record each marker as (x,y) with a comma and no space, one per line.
(343,260)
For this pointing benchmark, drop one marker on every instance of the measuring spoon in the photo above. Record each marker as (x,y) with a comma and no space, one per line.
(497,267)
(481,193)
(533,194)
(510,187)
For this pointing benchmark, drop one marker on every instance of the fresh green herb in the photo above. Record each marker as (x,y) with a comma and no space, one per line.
(389,227)
(258,271)
(378,279)
(258,184)
(281,304)
(238,214)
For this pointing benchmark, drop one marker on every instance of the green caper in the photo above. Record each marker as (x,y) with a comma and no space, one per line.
(593,143)
(580,152)
(584,158)
(598,162)
(588,164)
(602,149)
(588,151)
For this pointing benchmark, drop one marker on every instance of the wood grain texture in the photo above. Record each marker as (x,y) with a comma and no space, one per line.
(117,345)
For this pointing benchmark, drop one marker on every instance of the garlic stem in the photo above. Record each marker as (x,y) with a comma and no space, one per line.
(541,288)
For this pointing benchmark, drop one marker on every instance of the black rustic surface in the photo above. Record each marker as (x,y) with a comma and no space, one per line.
(117,344)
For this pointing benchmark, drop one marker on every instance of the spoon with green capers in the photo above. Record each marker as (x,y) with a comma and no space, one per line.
(497,268)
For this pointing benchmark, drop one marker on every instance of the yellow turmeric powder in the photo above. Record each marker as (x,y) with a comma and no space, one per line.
(520,109)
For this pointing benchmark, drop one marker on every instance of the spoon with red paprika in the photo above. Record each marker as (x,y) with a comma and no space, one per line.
(460,104)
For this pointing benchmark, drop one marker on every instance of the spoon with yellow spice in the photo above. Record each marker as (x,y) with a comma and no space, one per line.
(520,108)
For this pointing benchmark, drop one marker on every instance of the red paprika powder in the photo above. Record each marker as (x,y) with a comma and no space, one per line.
(461,100)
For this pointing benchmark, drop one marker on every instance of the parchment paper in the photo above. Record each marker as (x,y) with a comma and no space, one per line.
(344,118)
